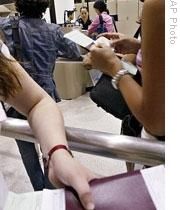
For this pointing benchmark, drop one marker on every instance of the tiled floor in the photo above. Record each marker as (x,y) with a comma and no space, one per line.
(81,113)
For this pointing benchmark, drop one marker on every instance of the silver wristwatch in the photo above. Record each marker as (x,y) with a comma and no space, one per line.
(127,68)
(117,77)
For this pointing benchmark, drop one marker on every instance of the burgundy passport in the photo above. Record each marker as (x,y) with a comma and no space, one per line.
(120,192)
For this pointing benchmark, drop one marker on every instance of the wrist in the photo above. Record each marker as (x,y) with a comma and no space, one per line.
(55,152)
(126,69)
(116,66)
(116,79)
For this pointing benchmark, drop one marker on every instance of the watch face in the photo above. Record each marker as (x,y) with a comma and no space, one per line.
(117,77)
(129,67)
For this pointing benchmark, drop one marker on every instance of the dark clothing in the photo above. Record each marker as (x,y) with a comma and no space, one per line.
(84,24)
(160,138)
(40,44)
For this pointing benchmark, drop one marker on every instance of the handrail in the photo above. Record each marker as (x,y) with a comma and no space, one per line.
(132,149)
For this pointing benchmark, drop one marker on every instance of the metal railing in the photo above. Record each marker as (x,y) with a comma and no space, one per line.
(132,149)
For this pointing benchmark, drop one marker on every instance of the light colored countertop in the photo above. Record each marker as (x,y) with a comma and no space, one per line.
(66,60)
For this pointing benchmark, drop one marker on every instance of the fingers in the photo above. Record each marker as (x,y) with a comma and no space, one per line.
(80,184)
(103,35)
(98,176)
(116,42)
(87,202)
(119,55)
(120,46)
(102,42)
(87,61)
(121,35)
(110,35)
(83,189)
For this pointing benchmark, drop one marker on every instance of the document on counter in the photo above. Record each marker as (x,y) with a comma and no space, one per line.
(41,200)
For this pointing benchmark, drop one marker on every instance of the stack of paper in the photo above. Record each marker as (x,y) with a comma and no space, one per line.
(41,200)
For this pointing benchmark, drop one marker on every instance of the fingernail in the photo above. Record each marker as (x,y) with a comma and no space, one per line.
(90,206)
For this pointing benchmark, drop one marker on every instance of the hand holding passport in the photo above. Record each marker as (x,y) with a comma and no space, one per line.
(139,190)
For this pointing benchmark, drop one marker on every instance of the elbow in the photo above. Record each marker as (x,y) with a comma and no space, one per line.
(155,125)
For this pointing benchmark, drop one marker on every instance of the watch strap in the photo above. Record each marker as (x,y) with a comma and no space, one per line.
(115,80)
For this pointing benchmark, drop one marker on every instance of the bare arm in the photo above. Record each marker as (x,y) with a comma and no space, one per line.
(153,52)
(47,124)
(33,102)
(146,102)
(93,26)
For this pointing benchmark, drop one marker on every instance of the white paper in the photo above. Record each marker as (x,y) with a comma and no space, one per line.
(53,200)
(41,200)
(155,181)
(132,69)
(25,201)
(79,38)
(2,114)
(95,75)
(3,192)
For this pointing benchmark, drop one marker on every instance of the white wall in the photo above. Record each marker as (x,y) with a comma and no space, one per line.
(47,16)
(127,11)
(60,6)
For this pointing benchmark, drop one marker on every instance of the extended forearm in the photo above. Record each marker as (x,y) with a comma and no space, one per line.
(132,93)
(47,123)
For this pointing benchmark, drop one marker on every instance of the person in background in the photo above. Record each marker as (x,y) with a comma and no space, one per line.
(19,90)
(146,102)
(40,43)
(84,20)
(101,10)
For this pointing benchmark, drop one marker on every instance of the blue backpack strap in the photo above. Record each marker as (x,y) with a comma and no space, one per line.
(15,35)
(101,20)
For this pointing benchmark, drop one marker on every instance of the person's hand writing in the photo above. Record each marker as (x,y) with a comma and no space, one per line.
(104,59)
(64,169)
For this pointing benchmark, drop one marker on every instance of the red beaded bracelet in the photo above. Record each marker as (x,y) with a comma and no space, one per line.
(57,147)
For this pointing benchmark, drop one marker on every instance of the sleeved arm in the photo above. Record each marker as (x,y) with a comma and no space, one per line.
(67,48)
(92,28)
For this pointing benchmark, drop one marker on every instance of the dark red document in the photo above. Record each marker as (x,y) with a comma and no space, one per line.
(120,192)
